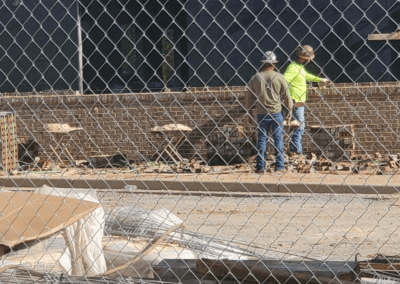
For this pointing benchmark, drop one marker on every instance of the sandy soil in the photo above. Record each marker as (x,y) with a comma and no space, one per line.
(319,226)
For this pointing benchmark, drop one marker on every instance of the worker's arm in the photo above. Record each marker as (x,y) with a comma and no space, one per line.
(312,78)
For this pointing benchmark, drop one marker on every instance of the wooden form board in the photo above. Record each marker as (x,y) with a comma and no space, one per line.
(180,269)
(390,36)
(281,271)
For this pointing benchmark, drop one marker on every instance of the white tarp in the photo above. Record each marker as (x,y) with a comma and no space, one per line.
(121,251)
(83,238)
(45,255)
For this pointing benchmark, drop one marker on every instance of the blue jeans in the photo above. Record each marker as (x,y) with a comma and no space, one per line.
(296,136)
(275,122)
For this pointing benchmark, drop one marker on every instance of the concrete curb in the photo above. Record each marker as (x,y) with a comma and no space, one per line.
(195,186)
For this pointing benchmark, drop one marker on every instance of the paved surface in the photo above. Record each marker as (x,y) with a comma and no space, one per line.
(230,182)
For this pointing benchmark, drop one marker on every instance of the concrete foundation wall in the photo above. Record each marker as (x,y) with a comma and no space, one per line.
(123,122)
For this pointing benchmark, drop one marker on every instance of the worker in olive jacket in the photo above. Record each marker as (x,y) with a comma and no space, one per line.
(269,91)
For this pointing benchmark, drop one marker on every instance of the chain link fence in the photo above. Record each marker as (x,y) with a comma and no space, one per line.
(131,129)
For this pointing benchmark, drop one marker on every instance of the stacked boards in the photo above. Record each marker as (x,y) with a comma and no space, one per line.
(334,142)
(231,144)
(9,141)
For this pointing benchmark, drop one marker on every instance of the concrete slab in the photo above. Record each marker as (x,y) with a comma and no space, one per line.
(199,186)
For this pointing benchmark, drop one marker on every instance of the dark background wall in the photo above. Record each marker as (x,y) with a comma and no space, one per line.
(217,43)
(38,45)
(126,55)
(139,45)
(237,33)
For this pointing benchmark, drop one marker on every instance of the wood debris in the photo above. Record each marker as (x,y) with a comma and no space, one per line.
(258,271)
(293,123)
(334,142)
(172,127)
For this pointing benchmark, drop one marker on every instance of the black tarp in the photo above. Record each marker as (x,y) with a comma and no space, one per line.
(229,38)
(220,43)
(126,43)
(38,45)
(112,27)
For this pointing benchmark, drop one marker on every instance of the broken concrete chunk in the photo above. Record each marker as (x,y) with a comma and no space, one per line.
(339,167)
(392,164)
(313,159)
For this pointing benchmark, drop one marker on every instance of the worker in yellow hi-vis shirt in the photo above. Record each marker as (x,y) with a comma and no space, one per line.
(297,76)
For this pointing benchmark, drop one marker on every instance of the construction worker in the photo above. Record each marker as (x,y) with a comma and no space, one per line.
(268,91)
(297,77)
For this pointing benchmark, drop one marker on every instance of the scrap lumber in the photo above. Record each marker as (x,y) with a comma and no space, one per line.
(293,123)
(8,138)
(376,266)
(175,269)
(54,151)
(312,272)
(388,36)
(380,263)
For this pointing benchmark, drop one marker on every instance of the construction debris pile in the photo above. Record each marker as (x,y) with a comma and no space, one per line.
(334,142)
(186,166)
(86,244)
(85,240)
(377,164)
(232,146)
(367,164)
(311,163)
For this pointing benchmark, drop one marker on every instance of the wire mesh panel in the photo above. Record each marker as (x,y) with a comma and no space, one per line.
(186,141)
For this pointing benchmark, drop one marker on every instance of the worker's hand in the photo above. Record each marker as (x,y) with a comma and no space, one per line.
(325,81)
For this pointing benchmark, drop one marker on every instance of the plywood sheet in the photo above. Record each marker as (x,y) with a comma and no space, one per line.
(28,216)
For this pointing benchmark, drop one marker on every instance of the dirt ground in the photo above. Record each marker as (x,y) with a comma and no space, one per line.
(318,226)
(284,226)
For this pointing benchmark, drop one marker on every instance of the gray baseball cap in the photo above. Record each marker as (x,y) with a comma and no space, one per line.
(269,57)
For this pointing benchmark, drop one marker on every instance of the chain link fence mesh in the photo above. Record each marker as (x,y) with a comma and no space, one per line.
(130,145)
